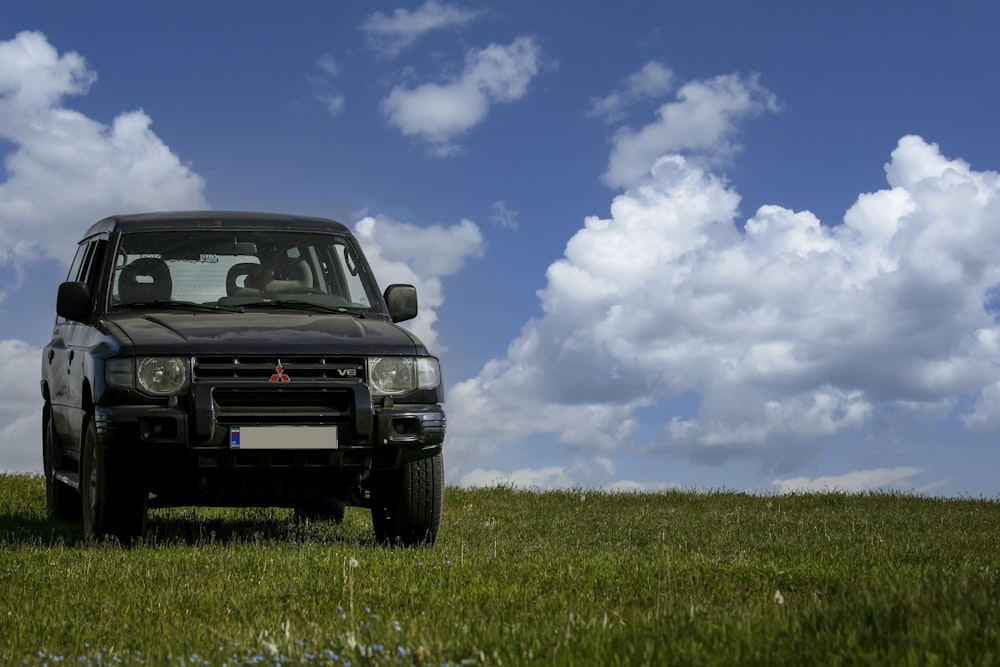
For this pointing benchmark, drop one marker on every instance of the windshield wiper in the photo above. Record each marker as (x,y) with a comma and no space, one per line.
(179,305)
(299,304)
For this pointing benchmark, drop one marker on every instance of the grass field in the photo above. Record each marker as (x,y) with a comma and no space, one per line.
(574,577)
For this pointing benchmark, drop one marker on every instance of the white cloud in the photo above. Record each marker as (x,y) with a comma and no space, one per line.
(853,482)
(652,81)
(438,112)
(390,34)
(584,474)
(19,365)
(324,91)
(20,407)
(985,414)
(420,256)
(327,64)
(551,477)
(95,169)
(702,121)
(503,216)
(21,444)
(334,103)
(766,342)
(629,486)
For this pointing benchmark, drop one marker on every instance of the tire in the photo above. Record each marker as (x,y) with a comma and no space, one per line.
(407,503)
(113,503)
(62,502)
(334,511)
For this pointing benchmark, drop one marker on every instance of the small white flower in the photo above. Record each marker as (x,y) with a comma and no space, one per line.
(353,562)
(779,598)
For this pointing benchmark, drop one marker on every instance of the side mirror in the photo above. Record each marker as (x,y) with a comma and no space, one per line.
(402,302)
(73,301)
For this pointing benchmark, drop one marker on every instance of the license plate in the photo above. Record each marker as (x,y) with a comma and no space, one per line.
(283,437)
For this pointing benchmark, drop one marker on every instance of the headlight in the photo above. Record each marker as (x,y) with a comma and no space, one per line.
(393,376)
(162,376)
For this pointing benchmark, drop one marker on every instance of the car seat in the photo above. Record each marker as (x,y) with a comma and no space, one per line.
(287,275)
(243,279)
(145,279)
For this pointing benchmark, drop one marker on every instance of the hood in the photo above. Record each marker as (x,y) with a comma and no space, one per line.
(267,332)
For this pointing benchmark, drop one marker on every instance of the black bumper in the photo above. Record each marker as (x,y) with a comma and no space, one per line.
(186,452)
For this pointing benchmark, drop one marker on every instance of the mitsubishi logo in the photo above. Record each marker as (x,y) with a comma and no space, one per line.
(279,374)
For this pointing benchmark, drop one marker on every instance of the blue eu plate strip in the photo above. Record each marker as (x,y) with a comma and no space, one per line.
(234,437)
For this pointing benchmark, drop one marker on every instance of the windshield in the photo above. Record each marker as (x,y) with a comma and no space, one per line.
(236,267)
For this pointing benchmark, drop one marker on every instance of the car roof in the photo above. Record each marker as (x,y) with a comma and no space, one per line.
(213,220)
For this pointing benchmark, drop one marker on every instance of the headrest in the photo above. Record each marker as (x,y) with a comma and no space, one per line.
(288,275)
(145,279)
(242,276)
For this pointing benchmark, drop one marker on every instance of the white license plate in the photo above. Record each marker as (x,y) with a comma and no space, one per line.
(282,437)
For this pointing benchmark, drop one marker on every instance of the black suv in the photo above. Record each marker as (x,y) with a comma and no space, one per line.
(237,359)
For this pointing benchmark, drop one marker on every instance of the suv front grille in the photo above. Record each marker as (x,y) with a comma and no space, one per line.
(293,369)
(282,406)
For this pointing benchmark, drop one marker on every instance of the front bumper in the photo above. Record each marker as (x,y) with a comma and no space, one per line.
(185,453)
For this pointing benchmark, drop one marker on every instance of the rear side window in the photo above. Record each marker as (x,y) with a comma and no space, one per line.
(90,270)
(86,266)
(74,268)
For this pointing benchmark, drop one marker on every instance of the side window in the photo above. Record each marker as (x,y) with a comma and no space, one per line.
(91,270)
(351,270)
(74,268)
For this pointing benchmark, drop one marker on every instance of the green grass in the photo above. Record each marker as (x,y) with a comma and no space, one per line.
(575,577)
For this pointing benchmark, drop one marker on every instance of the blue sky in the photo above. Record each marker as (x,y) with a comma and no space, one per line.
(709,245)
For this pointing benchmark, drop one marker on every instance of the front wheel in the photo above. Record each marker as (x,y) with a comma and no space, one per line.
(407,503)
(114,504)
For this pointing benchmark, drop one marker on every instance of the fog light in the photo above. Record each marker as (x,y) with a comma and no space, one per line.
(158,429)
(407,427)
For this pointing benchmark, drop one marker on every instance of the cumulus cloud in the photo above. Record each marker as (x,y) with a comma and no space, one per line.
(857,481)
(985,414)
(21,444)
(420,256)
(654,80)
(629,486)
(20,408)
(702,122)
(19,361)
(390,34)
(766,340)
(96,169)
(584,473)
(438,112)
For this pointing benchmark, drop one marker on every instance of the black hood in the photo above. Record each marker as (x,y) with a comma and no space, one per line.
(262,332)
